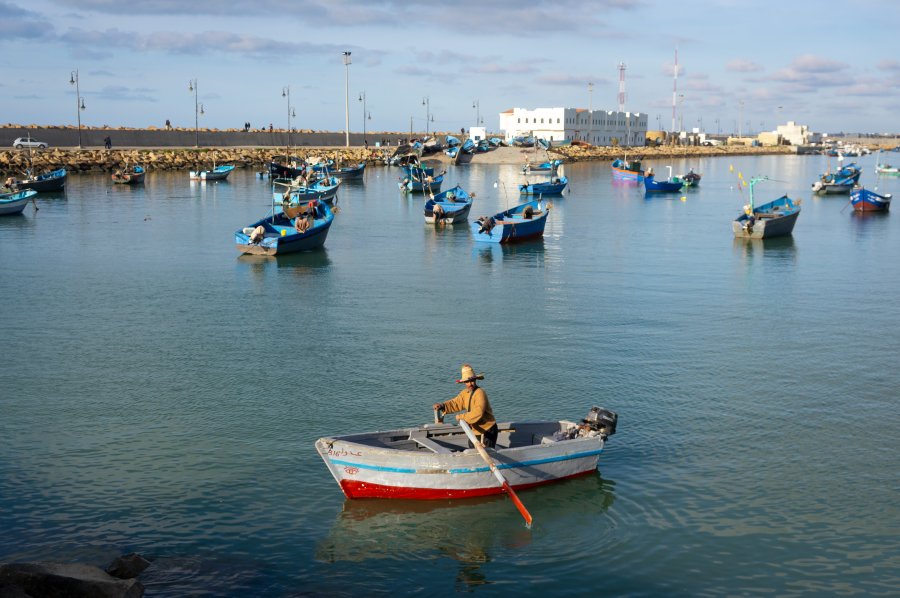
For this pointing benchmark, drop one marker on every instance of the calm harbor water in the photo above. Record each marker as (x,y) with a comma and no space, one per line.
(162,395)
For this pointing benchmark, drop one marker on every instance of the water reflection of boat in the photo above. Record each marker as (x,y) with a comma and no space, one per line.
(775,247)
(307,260)
(469,532)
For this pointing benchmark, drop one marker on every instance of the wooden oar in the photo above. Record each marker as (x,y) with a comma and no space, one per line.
(506,487)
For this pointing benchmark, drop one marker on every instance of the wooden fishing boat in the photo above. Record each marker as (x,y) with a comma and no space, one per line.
(550,166)
(864,200)
(671,185)
(286,167)
(772,219)
(827,185)
(887,170)
(289,229)
(50,181)
(623,170)
(14,203)
(295,191)
(130,175)
(525,221)
(433,461)
(555,186)
(448,206)
(219,173)
(418,184)
(691,178)
(349,172)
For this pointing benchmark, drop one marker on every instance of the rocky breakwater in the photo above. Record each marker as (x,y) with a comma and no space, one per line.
(16,162)
(579,153)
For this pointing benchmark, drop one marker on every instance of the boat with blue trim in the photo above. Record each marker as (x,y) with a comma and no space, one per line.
(219,173)
(864,200)
(524,221)
(773,219)
(54,180)
(623,170)
(14,203)
(447,207)
(289,228)
(433,461)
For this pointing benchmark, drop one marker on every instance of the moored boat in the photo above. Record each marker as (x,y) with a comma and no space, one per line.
(447,207)
(671,185)
(219,173)
(524,221)
(421,184)
(549,166)
(349,172)
(554,186)
(14,203)
(772,219)
(691,178)
(864,200)
(287,230)
(623,170)
(50,181)
(130,175)
(887,170)
(433,461)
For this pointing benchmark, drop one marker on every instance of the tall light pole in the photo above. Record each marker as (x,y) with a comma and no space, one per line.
(477,106)
(347,99)
(79,101)
(426,101)
(198,110)
(590,111)
(362,98)
(718,128)
(681,112)
(286,93)
(741,119)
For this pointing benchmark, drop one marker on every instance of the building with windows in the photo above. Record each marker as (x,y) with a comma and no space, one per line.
(597,127)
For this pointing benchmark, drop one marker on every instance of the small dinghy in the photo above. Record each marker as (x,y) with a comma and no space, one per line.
(434,461)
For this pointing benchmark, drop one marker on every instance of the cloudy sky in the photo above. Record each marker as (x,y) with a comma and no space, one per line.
(834,66)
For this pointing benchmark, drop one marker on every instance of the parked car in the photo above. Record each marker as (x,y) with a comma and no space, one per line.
(22,142)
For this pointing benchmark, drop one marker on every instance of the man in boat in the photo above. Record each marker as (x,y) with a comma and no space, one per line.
(474,401)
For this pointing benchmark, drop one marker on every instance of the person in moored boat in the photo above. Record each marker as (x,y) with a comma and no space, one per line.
(474,401)
(10,184)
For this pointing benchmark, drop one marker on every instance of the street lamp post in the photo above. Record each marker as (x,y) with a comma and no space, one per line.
(426,101)
(590,111)
(741,120)
(347,99)
(681,112)
(79,102)
(362,98)
(718,128)
(286,93)
(198,110)
(477,106)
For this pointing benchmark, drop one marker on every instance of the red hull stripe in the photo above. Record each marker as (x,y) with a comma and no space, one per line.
(356,489)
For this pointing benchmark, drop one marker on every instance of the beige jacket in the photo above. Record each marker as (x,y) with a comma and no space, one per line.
(478,410)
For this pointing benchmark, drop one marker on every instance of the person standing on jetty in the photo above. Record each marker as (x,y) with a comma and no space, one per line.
(474,401)
(107,143)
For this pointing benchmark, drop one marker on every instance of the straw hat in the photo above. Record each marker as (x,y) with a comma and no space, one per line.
(468,374)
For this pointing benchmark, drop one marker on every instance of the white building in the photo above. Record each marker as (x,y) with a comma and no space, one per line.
(600,127)
(477,133)
(798,134)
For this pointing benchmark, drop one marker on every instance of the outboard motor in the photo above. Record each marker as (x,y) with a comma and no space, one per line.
(602,420)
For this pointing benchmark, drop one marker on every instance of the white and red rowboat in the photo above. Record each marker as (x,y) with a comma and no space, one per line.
(434,461)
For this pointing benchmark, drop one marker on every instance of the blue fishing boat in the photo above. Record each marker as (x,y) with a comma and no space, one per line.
(418,170)
(417,184)
(849,171)
(671,185)
(839,182)
(452,151)
(51,181)
(447,207)
(286,167)
(773,219)
(525,221)
(287,230)
(549,166)
(622,170)
(864,200)
(452,141)
(14,203)
(350,172)
(297,191)
(326,166)
(691,178)
(219,173)
(554,186)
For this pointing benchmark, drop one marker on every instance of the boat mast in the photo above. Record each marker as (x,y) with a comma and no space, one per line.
(753,181)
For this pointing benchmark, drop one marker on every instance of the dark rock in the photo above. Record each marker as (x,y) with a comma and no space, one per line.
(62,580)
(128,566)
